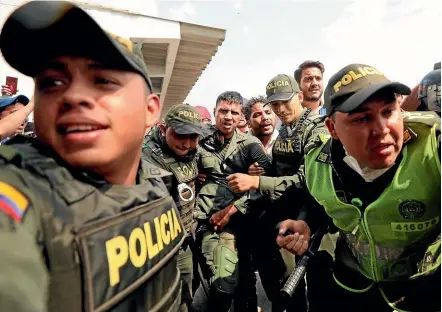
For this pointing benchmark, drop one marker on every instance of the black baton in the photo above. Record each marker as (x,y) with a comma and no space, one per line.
(301,266)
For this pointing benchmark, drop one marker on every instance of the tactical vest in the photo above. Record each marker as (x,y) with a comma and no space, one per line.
(185,174)
(384,240)
(104,251)
(288,148)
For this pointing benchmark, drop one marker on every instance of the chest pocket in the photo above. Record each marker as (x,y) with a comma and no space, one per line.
(184,172)
(135,244)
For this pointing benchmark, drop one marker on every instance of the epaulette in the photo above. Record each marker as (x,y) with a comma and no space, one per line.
(429,118)
(153,171)
(9,154)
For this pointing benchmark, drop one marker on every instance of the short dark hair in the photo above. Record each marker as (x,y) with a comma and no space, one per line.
(305,65)
(229,96)
(248,107)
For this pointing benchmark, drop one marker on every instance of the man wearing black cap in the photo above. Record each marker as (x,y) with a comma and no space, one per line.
(173,147)
(85,224)
(377,181)
(296,137)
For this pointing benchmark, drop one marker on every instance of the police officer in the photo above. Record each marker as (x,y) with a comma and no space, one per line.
(85,224)
(377,180)
(429,91)
(221,212)
(173,147)
(296,137)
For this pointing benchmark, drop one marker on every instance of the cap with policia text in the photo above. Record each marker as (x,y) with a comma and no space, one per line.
(354,84)
(184,119)
(60,28)
(281,88)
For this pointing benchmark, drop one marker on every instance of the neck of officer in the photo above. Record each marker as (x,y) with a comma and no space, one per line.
(122,172)
(314,105)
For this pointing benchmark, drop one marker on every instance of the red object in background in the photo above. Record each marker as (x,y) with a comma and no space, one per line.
(12,82)
(204,113)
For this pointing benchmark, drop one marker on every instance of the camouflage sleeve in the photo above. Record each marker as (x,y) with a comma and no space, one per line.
(275,187)
(23,274)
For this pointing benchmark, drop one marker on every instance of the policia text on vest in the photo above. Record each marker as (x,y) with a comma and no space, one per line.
(142,244)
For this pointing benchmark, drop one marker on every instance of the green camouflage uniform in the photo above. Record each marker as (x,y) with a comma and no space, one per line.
(292,143)
(68,239)
(218,160)
(181,184)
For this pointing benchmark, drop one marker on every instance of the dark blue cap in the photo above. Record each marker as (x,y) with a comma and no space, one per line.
(8,100)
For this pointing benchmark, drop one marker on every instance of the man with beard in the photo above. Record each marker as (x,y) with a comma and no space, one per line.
(261,121)
(297,136)
(221,213)
(85,223)
(173,147)
(309,78)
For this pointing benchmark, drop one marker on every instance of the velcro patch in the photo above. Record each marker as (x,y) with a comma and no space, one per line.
(13,202)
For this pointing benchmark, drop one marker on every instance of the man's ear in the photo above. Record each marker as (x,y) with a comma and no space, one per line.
(331,128)
(162,128)
(153,107)
(300,96)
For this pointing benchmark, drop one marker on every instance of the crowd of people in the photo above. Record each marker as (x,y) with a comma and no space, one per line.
(105,207)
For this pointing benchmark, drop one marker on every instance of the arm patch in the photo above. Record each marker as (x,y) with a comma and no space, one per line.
(13,202)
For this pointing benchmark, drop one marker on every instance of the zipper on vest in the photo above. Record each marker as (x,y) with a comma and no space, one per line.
(372,247)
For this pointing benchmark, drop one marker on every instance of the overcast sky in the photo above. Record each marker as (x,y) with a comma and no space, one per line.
(265,38)
(268,37)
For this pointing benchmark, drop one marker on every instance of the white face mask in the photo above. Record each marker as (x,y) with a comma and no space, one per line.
(366,173)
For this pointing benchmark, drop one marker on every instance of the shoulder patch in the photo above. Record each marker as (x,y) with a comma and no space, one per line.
(154,171)
(13,202)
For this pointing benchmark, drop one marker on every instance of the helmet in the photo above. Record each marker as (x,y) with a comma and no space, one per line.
(429,91)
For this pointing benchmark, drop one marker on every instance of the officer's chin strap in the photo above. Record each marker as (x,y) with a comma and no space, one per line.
(368,174)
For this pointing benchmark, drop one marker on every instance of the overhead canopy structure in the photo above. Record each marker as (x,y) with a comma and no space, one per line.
(176,53)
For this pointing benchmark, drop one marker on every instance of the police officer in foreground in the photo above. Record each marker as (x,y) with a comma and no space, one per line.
(297,136)
(221,213)
(429,91)
(85,224)
(377,179)
(173,147)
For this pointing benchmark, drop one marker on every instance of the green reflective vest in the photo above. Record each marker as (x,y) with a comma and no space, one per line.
(389,240)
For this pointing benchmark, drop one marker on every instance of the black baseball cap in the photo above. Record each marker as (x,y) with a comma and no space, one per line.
(354,84)
(281,88)
(184,119)
(39,31)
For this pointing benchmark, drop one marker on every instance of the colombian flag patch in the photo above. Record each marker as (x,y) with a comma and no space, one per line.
(12,202)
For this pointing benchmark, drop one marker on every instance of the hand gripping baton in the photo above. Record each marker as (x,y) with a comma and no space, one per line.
(301,266)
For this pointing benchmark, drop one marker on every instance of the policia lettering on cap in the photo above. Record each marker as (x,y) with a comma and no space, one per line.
(376,181)
(172,146)
(85,224)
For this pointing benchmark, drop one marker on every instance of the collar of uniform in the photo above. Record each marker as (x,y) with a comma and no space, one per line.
(240,136)
(295,122)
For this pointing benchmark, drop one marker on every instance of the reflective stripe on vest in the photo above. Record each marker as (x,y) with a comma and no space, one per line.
(363,249)
(406,212)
